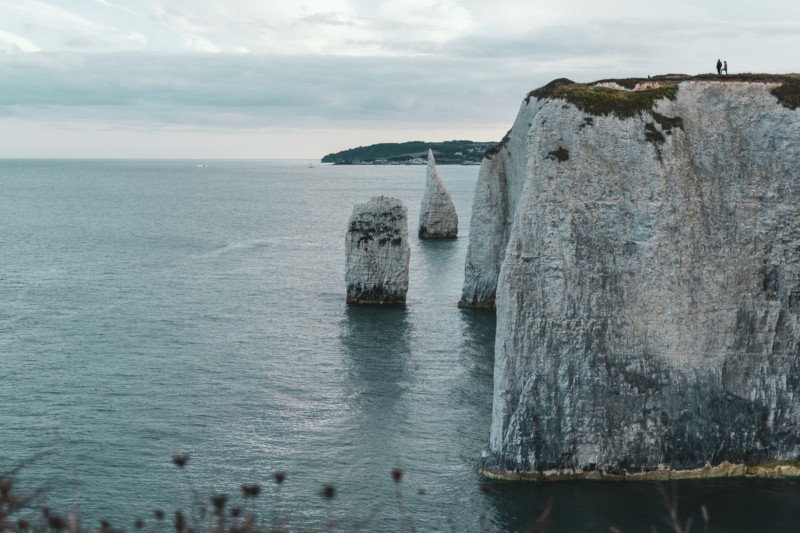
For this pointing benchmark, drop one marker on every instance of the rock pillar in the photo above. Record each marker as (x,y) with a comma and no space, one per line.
(377,252)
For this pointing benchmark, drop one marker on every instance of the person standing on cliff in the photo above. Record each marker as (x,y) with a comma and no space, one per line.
(719,67)
(725,67)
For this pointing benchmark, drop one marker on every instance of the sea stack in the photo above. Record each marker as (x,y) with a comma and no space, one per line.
(437,215)
(377,252)
(648,297)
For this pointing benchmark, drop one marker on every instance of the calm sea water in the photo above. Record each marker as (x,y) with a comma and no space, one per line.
(155,307)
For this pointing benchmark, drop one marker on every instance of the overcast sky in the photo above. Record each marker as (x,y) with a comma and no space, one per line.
(302,78)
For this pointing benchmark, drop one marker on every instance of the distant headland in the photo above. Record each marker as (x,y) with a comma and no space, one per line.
(412,153)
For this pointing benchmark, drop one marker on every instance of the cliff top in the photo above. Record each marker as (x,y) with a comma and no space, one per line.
(627,97)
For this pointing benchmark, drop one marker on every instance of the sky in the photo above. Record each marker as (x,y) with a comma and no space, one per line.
(303,78)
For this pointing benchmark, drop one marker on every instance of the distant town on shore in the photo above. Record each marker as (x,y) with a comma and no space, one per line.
(412,153)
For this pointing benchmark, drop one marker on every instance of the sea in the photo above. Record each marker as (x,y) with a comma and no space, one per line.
(159,308)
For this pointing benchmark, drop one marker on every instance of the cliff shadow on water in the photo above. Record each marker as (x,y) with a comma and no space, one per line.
(477,352)
(731,505)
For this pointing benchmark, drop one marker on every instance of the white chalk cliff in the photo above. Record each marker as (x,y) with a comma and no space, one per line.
(646,247)
(377,252)
(437,215)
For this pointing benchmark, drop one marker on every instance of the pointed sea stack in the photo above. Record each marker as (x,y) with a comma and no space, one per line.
(437,216)
(377,252)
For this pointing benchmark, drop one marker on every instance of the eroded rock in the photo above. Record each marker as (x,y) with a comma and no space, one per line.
(437,215)
(377,252)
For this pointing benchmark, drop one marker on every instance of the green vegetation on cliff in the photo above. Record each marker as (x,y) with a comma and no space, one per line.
(413,152)
(598,98)
(604,101)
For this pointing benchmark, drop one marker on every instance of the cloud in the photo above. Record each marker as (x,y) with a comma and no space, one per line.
(356,65)
(14,42)
(121,8)
(195,43)
(138,90)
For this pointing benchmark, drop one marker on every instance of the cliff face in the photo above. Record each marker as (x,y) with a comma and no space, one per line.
(377,252)
(499,186)
(437,214)
(648,304)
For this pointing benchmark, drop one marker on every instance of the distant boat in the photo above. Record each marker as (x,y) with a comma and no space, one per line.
(311,165)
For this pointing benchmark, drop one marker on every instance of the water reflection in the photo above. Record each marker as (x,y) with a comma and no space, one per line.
(476,358)
(375,342)
(439,255)
(732,505)
(376,352)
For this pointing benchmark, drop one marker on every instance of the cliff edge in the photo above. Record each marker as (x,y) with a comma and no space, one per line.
(645,240)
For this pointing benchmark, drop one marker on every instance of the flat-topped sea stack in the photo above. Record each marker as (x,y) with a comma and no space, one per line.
(437,215)
(377,252)
(648,294)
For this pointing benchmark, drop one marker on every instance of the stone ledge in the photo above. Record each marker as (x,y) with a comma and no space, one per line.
(722,470)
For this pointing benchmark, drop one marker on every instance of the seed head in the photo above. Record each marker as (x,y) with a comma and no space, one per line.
(138,523)
(180,459)
(279,477)
(397,475)
(219,503)
(328,492)
(251,490)
(5,487)
(159,514)
(56,522)
(180,521)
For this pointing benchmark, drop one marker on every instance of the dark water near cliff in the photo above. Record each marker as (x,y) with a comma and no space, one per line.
(153,307)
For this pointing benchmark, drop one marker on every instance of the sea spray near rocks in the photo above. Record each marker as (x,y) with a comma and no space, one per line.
(377,252)
(437,215)
(648,303)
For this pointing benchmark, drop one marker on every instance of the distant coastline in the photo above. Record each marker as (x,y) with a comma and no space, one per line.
(412,153)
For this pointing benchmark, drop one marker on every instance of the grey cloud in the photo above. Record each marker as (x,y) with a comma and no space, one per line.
(328,19)
(624,40)
(256,89)
(79,41)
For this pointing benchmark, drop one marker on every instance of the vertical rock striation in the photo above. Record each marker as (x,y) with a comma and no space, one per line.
(499,186)
(648,304)
(377,252)
(437,215)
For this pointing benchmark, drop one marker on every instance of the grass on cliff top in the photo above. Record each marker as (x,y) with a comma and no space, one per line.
(594,100)
(604,101)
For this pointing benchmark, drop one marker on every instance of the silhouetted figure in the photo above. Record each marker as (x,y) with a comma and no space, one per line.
(725,67)
(719,67)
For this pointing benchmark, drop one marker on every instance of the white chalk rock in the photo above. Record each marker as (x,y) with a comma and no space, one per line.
(648,299)
(377,252)
(500,181)
(437,215)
